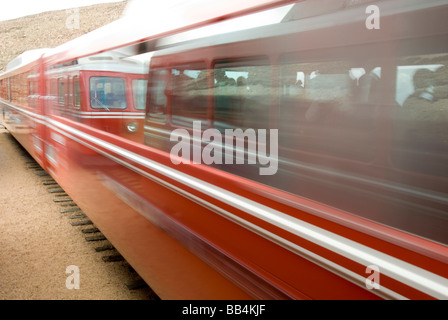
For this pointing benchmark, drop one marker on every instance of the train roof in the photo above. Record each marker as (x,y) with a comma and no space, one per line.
(144,20)
(24,59)
(113,61)
(301,16)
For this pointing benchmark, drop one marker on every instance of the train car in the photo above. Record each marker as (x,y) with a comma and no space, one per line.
(21,109)
(292,150)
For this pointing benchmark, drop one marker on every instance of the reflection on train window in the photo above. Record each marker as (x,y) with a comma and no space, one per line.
(77,92)
(189,94)
(139,88)
(329,108)
(420,130)
(70,91)
(30,87)
(157,95)
(107,93)
(61,91)
(242,94)
(33,90)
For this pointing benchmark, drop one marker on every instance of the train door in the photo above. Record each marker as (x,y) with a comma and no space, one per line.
(135,123)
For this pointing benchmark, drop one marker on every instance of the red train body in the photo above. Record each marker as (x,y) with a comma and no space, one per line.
(303,157)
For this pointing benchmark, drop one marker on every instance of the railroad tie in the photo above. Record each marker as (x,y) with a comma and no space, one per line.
(97,237)
(136,284)
(81,223)
(41,173)
(72,209)
(50,183)
(56,190)
(113,258)
(63,200)
(70,204)
(78,216)
(105,247)
(90,230)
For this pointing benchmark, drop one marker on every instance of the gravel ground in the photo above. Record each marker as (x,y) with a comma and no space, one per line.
(51,29)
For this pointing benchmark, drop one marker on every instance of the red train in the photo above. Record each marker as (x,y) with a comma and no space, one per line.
(265,149)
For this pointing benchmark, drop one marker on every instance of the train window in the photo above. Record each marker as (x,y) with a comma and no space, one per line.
(421,117)
(189,94)
(157,95)
(329,107)
(61,91)
(19,89)
(242,94)
(70,91)
(54,90)
(3,89)
(77,92)
(139,88)
(107,93)
(32,88)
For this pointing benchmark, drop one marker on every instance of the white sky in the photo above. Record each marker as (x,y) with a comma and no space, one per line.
(12,9)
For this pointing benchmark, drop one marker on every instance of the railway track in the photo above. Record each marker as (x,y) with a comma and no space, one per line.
(88,230)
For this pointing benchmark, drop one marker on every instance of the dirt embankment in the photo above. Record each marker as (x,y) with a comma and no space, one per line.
(51,29)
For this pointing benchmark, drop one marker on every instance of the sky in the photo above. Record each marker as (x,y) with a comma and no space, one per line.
(12,9)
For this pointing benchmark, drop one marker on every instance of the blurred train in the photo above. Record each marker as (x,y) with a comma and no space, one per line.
(257,150)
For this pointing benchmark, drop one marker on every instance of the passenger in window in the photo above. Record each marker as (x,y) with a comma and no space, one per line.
(367,89)
(421,125)
(201,81)
(221,79)
(241,82)
(423,88)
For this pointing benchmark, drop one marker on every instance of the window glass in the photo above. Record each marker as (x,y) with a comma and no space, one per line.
(31,87)
(77,92)
(33,92)
(139,88)
(157,95)
(70,91)
(329,108)
(19,88)
(189,93)
(241,106)
(241,94)
(421,117)
(61,91)
(107,93)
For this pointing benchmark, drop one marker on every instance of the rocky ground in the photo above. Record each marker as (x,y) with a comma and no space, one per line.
(51,29)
